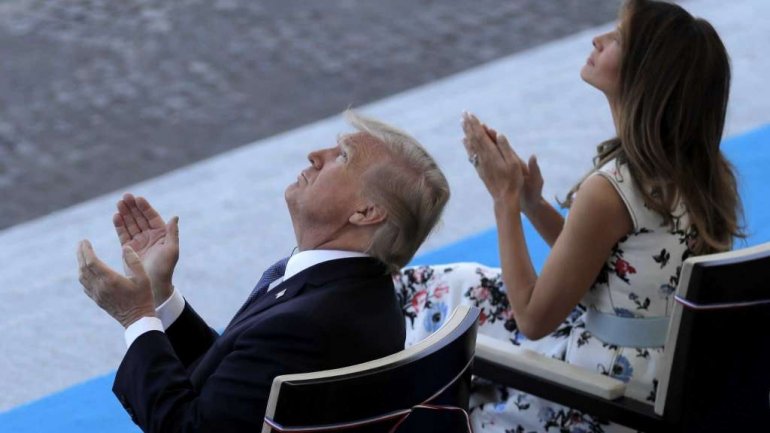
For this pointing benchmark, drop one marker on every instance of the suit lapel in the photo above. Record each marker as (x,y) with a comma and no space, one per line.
(320,274)
(287,290)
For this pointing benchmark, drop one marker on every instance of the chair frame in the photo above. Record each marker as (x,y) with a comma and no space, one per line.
(301,389)
(699,290)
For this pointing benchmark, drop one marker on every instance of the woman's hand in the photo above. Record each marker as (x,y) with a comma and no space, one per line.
(532,192)
(497,164)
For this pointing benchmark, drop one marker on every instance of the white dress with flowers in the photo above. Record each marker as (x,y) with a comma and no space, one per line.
(638,280)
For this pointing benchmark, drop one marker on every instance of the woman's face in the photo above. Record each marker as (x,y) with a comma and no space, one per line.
(602,69)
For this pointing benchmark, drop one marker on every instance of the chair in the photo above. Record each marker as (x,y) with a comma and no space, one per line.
(433,375)
(716,373)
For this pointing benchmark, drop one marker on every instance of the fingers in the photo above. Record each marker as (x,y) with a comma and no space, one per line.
(490,132)
(468,131)
(82,269)
(121,229)
(506,150)
(90,269)
(138,215)
(90,263)
(534,168)
(133,264)
(172,231)
(150,214)
(129,221)
(135,215)
(477,140)
(85,275)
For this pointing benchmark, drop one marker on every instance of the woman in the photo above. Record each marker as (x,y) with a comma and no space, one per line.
(660,192)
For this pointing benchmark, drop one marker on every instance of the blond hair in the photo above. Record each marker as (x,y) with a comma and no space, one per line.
(408,185)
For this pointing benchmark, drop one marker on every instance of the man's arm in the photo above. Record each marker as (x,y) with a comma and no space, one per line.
(141,227)
(190,336)
(156,389)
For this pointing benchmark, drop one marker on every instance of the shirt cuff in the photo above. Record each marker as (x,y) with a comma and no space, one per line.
(170,309)
(141,326)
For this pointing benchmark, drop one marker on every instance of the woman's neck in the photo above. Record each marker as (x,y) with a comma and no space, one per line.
(615,111)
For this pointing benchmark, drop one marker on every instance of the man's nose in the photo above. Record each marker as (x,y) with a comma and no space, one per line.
(317,158)
(314,158)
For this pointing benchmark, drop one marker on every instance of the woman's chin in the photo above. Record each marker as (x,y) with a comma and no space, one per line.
(585,76)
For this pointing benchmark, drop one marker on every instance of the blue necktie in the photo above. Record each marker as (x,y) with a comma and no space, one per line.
(272,273)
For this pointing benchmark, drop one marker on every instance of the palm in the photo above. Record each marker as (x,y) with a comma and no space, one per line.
(140,227)
(158,256)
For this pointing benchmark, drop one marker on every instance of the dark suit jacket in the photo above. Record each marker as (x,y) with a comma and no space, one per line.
(189,379)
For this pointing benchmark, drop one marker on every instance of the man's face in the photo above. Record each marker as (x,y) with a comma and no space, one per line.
(329,191)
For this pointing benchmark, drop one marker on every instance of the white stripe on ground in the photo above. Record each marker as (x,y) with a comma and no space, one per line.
(233,218)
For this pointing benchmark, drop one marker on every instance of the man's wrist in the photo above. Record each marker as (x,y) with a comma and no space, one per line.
(141,326)
(162,292)
(134,316)
(171,309)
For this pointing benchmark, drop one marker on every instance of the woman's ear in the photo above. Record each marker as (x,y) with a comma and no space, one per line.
(368,214)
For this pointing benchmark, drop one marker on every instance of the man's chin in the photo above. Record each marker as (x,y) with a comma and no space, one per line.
(290,195)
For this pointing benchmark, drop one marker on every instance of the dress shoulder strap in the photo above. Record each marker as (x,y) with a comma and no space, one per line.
(620,178)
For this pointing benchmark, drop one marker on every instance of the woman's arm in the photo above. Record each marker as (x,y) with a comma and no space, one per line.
(546,219)
(598,220)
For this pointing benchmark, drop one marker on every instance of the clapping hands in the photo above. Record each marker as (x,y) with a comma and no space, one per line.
(150,253)
(507,178)
(125,298)
(140,227)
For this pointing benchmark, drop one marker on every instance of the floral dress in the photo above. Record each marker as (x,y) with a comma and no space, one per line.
(637,280)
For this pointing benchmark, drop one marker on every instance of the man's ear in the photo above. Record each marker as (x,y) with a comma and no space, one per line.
(368,214)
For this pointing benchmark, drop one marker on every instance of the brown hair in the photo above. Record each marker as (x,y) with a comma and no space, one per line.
(673,92)
(411,188)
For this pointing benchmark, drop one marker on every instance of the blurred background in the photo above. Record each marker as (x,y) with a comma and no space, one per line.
(208,108)
(99,94)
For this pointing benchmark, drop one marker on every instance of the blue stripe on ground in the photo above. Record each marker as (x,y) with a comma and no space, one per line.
(91,407)
(88,407)
(750,153)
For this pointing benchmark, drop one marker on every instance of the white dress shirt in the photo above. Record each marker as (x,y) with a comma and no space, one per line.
(172,308)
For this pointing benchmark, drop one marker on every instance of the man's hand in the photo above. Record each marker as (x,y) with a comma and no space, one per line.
(140,227)
(126,299)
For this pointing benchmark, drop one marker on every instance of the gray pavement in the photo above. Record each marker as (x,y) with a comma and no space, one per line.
(99,94)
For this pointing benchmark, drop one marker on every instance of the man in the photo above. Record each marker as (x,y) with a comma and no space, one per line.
(359,212)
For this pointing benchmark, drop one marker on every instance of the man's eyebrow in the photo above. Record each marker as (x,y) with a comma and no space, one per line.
(346,144)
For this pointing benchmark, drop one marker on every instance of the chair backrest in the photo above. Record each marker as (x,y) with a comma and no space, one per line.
(716,370)
(375,395)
